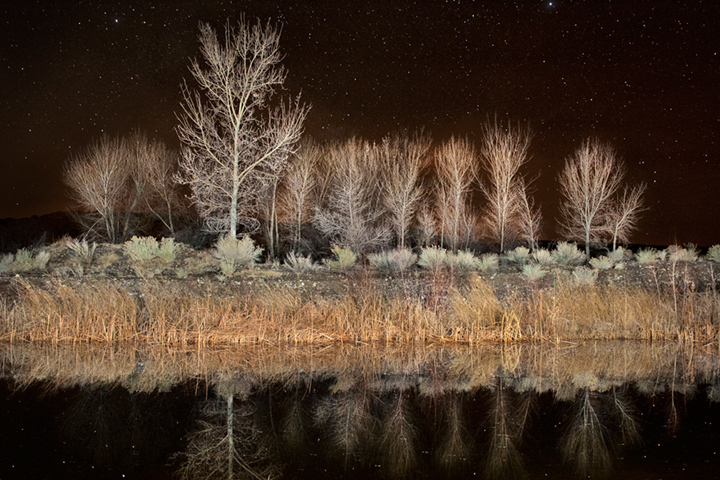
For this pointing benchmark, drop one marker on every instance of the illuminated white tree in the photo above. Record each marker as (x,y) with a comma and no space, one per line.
(234,143)
(502,154)
(588,182)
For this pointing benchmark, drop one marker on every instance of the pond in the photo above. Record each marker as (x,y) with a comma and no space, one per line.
(610,410)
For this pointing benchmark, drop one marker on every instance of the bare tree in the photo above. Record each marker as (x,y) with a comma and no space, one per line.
(115,180)
(589,180)
(455,162)
(352,213)
(156,168)
(296,197)
(502,154)
(97,178)
(234,142)
(403,160)
(529,217)
(623,215)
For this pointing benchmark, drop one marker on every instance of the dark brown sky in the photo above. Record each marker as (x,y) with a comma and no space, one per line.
(642,75)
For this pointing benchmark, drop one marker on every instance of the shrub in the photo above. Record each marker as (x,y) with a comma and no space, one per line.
(488,262)
(23,261)
(168,250)
(618,254)
(398,260)
(433,258)
(234,253)
(646,256)
(344,259)
(533,271)
(463,260)
(714,253)
(141,249)
(299,263)
(41,260)
(584,276)
(83,251)
(568,254)
(519,256)
(601,263)
(543,256)
(5,261)
(679,254)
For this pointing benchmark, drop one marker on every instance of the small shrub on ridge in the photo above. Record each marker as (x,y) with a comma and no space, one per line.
(488,262)
(542,256)
(234,253)
(396,260)
(433,258)
(568,254)
(714,253)
(646,256)
(299,263)
(344,259)
(533,271)
(519,256)
(601,263)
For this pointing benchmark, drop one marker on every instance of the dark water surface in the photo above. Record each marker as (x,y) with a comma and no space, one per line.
(618,410)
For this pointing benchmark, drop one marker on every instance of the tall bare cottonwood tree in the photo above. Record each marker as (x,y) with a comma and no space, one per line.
(403,160)
(233,141)
(296,196)
(588,182)
(455,163)
(351,215)
(502,154)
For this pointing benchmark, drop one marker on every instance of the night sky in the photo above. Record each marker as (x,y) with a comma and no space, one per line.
(641,75)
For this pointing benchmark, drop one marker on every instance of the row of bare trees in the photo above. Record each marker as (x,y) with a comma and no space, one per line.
(242,160)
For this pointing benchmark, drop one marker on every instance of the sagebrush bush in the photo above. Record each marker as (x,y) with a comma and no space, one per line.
(5,261)
(433,258)
(619,254)
(233,253)
(568,254)
(82,250)
(679,254)
(299,263)
(168,250)
(141,249)
(396,260)
(488,262)
(344,259)
(646,256)
(533,271)
(584,276)
(714,253)
(463,260)
(601,263)
(519,256)
(41,260)
(543,256)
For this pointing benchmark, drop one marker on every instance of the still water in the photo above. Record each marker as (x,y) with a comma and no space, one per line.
(615,410)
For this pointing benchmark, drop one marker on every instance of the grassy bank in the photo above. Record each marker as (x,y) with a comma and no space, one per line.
(434,307)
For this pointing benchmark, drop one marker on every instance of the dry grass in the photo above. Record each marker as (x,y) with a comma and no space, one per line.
(433,308)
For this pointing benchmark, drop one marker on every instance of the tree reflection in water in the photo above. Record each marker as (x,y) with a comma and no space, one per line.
(436,414)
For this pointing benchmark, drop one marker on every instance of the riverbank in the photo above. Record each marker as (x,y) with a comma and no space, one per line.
(189,301)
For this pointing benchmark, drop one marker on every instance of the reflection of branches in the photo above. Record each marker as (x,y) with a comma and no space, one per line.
(506,428)
(94,424)
(628,422)
(228,438)
(346,416)
(398,443)
(455,445)
(585,443)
